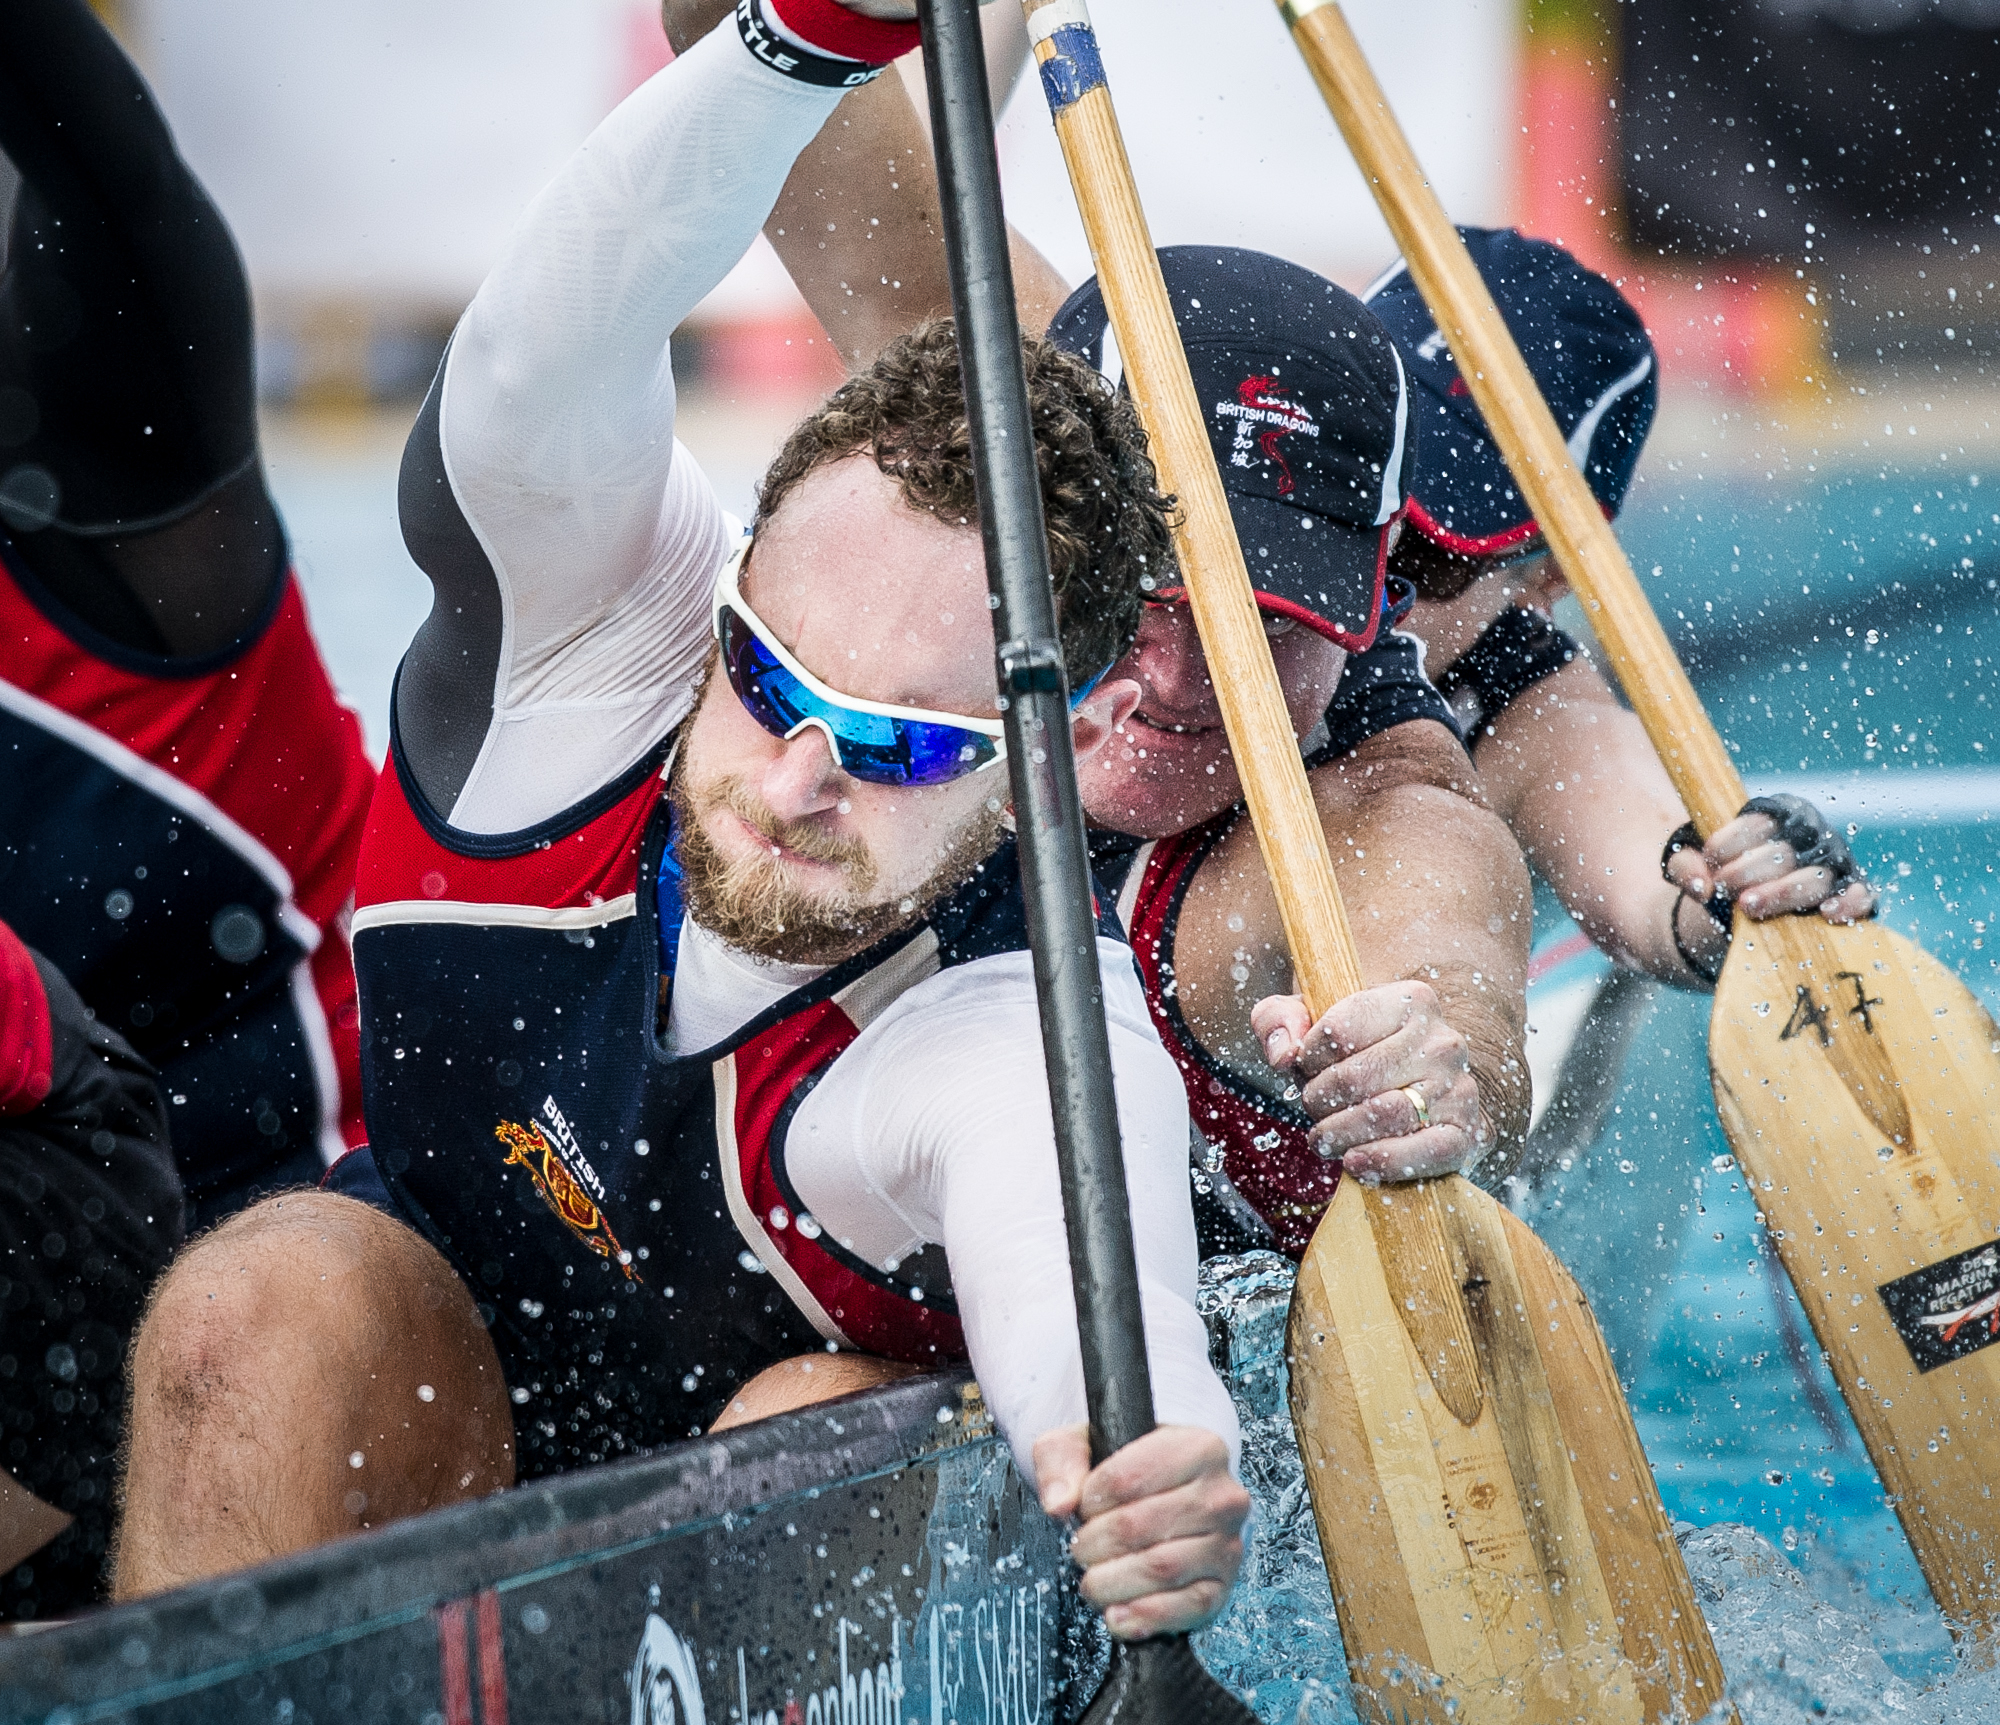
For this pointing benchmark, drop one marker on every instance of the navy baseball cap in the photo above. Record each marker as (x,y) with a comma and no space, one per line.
(1587,350)
(1308,413)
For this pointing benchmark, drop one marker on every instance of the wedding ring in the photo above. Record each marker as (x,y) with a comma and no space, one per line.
(1417,1102)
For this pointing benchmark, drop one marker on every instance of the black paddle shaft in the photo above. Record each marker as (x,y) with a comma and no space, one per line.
(1156,1682)
(1055,861)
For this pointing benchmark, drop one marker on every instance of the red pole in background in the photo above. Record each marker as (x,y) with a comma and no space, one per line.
(1734,326)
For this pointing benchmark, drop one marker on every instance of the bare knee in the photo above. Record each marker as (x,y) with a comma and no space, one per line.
(309,1368)
(808,1378)
(307,1273)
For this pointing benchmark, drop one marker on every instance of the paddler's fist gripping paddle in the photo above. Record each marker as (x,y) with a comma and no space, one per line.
(1156,1682)
(1857,1078)
(1497,1548)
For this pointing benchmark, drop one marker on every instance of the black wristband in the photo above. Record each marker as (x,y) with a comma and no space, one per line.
(1513,653)
(1721,903)
(1680,946)
(782,54)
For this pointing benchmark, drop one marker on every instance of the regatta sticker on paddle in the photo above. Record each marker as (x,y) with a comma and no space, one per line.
(1948,1309)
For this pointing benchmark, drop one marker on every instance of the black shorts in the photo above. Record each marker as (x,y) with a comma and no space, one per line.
(90,1211)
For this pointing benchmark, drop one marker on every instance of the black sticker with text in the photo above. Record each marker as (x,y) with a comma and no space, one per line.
(1948,1309)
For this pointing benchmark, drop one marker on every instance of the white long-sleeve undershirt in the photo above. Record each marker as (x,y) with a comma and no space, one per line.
(935,1125)
(557,426)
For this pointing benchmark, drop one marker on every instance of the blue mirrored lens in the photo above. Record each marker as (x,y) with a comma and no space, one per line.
(873,747)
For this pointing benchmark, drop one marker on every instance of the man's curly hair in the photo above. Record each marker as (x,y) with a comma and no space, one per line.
(1108,524)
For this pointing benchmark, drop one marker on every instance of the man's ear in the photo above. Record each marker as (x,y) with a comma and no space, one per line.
(1109,706)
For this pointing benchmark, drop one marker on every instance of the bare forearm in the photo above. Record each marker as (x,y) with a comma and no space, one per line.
(857,223)
(1577,779)
(1601,879)
(1452,910)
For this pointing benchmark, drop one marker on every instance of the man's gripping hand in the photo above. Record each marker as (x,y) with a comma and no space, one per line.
(1162,1534)
(1386,1078)
(1779,857)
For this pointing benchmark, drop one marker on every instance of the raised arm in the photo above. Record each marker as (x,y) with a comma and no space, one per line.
(570,541)
(856,225)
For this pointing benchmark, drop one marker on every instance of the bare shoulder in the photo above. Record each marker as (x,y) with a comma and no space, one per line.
(1578,684)
(1420,754)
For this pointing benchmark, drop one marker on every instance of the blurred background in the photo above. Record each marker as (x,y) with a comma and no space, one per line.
(1800,197)
(1798,194)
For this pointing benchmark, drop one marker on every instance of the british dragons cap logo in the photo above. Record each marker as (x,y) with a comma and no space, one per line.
(534,1148)
(1263,417)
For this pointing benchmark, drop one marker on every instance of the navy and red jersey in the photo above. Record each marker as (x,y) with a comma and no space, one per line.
(624,1213)
(179,840)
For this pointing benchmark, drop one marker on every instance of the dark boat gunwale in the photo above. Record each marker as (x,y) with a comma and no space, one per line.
(293,1606)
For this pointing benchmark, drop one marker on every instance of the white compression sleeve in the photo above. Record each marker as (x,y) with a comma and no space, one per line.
(936,1126)
(557,415)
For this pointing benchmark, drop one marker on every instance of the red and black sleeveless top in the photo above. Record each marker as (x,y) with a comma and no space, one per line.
(1254,1148)
(1255,1142)
(179,839)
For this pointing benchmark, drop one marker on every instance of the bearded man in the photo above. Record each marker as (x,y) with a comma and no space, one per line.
(699,1029)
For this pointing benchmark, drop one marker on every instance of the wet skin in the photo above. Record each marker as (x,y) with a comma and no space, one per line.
(1572,772)
(1170,767)
(886,603)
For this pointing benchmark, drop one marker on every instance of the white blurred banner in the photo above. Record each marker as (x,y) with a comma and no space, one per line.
(1232,144)
(379,151)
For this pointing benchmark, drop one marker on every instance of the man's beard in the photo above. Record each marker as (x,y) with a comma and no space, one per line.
(755,906)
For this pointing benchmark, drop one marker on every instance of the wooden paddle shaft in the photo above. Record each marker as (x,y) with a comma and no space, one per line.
(1218,585)
(1491,364)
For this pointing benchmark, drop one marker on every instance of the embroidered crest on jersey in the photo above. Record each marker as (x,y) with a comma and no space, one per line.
(533,1147)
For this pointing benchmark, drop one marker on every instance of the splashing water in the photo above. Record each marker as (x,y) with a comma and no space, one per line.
(1799,1643)
(1278,1644)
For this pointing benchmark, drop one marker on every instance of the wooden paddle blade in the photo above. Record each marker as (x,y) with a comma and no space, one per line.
(1161,1682)
(1497,1548)
(1859,1083)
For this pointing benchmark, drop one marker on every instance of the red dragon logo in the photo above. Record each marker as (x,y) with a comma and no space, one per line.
(1261,401)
